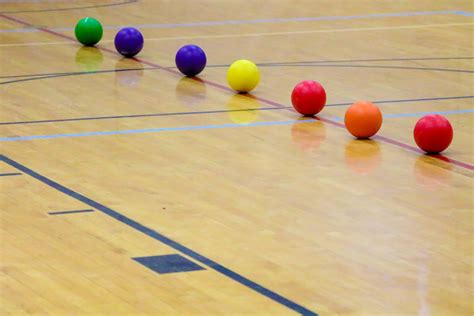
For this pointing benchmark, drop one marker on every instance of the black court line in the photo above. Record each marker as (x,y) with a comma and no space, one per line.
(372,66)
(420,99)
(67,74)
(260,64)
(139,115)
(57,75)
(212,83)
(70,212)
(93,118)
(75,8)
(10,174)
(368,60)
(72,73)
(163,239)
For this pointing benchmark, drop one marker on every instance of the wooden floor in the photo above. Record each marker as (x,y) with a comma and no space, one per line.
(106,160)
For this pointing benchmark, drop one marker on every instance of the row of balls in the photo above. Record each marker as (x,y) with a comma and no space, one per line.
(243,75)
(432,133)
(128,41)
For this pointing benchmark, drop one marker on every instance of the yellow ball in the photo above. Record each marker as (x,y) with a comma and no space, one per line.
(243,75)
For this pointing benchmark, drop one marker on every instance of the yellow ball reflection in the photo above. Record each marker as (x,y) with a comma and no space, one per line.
(243,108)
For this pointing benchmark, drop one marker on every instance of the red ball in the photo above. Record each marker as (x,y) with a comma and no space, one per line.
(308,97)
(433,133)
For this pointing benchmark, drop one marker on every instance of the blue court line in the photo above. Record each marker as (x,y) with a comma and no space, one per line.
(163,239)
(10,174)
(257,21)
(416,114)
(203,127)
(465,13)
(151,130)
(70,212)
(219,111)
(397,115)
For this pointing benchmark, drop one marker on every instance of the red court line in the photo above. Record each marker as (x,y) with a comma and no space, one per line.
(417,150)
(405,146)
(263,100)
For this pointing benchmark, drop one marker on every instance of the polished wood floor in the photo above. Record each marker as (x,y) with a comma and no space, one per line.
(105,160)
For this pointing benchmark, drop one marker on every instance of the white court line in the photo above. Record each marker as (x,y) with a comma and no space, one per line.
(35,44)
(378,28)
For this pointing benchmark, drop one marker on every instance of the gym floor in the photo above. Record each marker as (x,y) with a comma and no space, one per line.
(127,189)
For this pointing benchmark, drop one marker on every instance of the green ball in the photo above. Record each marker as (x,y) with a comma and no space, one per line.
(88,31)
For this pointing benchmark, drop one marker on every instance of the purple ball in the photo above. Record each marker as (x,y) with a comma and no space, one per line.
(190,60)
(129,41)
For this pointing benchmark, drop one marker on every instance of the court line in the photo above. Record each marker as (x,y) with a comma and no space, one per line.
(258,64)
(34,44)
(163,239)
(420,99)
(378,28)
(410,147)
(416,114)
(404,146)
(140,115)
(219,111)
(160,237)
(256,21)
(204,127)
(75,8)
(70,212)
(368,60)
(465,13)
(72,73)
(150,130)
(225,88)
(10,174)
(77,73)
(371,66)
(417,150)
(66,74)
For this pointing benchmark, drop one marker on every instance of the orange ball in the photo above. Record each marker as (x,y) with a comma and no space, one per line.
(363,119)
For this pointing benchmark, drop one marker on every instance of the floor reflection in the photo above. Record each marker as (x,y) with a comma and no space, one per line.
(190,92)
(430,176)
(129,72)
(308,136)
(89,59)
(362,156)
(243,108)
